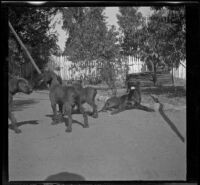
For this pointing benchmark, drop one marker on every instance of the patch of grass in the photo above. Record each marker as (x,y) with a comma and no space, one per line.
(169,91)
(175,95)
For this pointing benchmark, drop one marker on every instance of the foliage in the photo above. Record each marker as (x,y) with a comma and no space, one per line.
(89,39)
(130,21)
(32,26)
(158,41)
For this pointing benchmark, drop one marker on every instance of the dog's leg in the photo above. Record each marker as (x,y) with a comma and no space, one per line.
(14,122)
(11,115)
(117,111)
(95,113)
(55,119)
(94,107)
(67,109)
(142,107)
(60,106)
(121,108)
(85,117)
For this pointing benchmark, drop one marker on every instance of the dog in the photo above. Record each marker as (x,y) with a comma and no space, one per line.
(132,100)
(87,95)
(65,96)
(15,85)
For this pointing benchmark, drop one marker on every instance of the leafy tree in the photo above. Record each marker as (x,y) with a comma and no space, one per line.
(130,21)
(32,26)
(158,41)
(174,47)
(90,40)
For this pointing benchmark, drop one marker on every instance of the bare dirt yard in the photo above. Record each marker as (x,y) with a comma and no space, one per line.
(131,145)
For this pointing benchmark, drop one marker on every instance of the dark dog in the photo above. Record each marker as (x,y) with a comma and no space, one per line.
(65,96)
(16,85)
(132,100)
(87,95)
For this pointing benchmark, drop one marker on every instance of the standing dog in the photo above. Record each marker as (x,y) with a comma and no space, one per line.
(87,95)
(132,100)
(65,96)
(16,85)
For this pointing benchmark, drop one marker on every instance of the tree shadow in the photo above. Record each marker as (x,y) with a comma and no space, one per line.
(19,105)
(65,176)
(31,122)
(65,120)
(171,124)
(169,91)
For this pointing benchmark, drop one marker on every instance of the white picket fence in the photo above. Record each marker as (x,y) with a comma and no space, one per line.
(67,72)
(180,72)
(136,65)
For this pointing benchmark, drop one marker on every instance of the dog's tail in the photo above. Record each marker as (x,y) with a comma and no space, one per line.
(142,107)
(103,109)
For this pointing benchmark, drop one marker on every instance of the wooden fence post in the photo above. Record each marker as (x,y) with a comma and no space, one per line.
(24,48)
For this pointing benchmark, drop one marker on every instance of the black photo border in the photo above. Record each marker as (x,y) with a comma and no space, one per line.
(192,87)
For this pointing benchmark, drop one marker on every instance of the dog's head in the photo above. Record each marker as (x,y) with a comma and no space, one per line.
(47,77)
(133,85)
(24,86)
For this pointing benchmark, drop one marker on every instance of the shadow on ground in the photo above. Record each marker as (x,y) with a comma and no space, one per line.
(169,91)
(31,122)
(19,105)
(65,120)
(65,176)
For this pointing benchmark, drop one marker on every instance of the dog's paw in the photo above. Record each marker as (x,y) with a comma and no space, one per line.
(54,122)
(95,115)
(86,126)
(68,130)
(17,131)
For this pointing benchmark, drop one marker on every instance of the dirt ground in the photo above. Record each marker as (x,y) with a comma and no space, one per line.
(132,145)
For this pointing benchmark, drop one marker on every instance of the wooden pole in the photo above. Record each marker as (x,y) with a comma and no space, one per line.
(24,48)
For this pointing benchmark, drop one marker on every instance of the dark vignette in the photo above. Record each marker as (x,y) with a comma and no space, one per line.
(193,76)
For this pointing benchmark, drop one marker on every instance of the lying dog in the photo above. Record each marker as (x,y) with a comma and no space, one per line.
(65,96)
(132,100)
(16,85)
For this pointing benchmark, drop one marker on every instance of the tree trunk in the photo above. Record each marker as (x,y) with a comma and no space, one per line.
(154,75)
(24,48)
(114,90)
(172,74)
(154,78)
